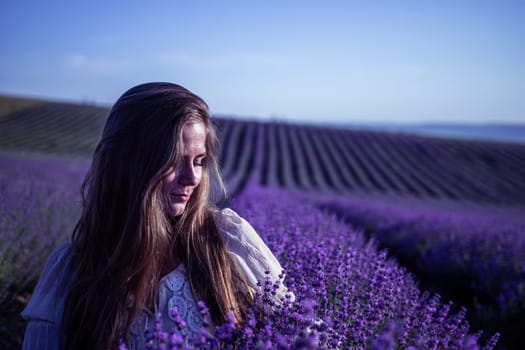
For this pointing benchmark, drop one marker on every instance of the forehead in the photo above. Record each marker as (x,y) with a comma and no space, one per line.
(194,137)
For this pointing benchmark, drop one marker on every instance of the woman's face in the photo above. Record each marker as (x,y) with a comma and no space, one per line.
(180,181)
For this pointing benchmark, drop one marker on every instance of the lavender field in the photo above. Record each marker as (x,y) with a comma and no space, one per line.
(475,257)
(377,232)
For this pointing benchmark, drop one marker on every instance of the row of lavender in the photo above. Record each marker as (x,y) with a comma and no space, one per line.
(55,128)
(307,157)
(346,161)
(476,257)
(348,294)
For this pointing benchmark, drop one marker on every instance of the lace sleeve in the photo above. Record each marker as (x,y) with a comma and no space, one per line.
(251,253)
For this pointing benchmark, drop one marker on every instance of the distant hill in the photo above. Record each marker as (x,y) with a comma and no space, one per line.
(12,104)
(499,132)
(53,128)
(306,158)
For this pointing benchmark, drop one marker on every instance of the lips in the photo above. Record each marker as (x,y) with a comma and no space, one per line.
(179,197)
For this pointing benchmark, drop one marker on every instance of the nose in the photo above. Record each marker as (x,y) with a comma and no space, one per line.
(188,175)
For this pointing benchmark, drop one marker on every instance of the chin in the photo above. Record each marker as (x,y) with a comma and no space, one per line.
(177,210)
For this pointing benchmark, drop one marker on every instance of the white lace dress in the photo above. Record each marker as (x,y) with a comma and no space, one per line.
(174,292)
(44,311)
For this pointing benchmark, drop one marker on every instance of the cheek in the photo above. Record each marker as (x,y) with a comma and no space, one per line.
(167,181)
(201,174)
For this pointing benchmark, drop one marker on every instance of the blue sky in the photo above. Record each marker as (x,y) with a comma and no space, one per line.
(315,61)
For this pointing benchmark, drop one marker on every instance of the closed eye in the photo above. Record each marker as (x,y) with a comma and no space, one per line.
(200,161)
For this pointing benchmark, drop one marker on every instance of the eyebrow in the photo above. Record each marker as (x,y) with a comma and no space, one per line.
(197,156)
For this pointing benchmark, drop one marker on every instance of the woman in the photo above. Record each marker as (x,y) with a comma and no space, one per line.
(149,238)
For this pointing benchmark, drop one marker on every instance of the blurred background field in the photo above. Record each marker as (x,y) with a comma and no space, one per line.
(400,125)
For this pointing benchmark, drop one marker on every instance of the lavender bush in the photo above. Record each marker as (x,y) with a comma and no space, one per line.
(475,257)
(39,202)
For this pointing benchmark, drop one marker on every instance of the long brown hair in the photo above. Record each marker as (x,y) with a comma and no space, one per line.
(124,234)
